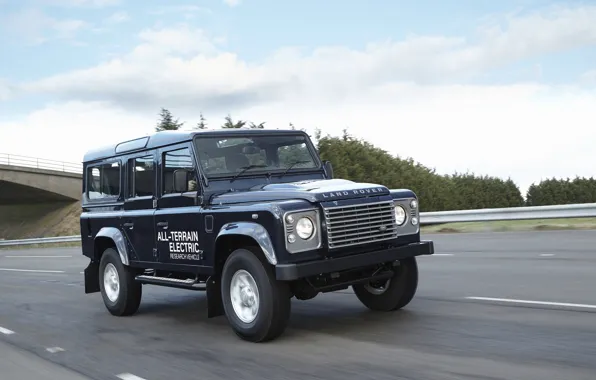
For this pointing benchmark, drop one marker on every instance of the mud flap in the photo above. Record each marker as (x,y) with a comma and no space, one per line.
(214,301)
(92,278)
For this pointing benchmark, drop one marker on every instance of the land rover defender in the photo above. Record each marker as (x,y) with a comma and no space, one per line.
(253,217)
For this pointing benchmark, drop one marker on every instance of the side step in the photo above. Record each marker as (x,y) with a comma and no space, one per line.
(189,283)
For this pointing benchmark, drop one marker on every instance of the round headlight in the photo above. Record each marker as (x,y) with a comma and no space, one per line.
(400,215)
(305,228)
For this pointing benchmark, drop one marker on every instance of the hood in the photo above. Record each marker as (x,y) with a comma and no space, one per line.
(312,191)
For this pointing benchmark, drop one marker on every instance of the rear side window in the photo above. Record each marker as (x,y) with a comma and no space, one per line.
(103,181)
(143,177)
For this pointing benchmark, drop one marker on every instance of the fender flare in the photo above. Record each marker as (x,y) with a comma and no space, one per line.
(253,230)
(118,238)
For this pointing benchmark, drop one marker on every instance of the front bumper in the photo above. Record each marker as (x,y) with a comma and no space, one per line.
(288,272)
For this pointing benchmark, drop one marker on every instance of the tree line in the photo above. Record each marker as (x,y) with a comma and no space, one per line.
(358,160)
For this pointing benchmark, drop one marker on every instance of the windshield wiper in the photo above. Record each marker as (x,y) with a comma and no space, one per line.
(245,168)
(292,165)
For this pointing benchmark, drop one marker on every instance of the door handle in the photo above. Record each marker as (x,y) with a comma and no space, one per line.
(162,224)
(129,225)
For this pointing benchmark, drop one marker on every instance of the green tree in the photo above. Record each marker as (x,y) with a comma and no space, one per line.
(231,124)
(201,124)
(562,191)
(167,122)
(257,126)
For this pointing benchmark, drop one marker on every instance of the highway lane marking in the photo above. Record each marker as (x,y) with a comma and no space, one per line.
(442,254)
(128,376)
(30,270)
(6,331)
(54,350)
(529,302)
(37,257)
(547,254)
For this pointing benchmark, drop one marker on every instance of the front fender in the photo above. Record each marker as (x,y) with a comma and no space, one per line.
(253,230)
(116,236)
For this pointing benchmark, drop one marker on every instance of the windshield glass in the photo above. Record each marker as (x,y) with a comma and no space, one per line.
(225,156)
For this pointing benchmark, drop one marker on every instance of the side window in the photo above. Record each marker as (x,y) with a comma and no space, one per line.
(103,181)
(180,162)
(142,177)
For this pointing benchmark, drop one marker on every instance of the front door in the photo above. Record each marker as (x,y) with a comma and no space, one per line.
(137,220)
(178,221)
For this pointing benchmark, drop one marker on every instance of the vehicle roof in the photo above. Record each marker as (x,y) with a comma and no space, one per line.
(164,138)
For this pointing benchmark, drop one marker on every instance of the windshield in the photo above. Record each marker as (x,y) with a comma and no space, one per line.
(226,156)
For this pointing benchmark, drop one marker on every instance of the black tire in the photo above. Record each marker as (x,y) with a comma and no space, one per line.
(274,297)
(399,292)
(129,292)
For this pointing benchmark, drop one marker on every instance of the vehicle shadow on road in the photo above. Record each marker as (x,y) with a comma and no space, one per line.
(335,314)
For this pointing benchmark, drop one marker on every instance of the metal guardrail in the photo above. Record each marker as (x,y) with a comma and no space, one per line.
(584,210)
(40,163)
(581,210)
(56,239)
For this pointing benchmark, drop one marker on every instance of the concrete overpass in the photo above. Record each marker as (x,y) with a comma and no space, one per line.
(26,180)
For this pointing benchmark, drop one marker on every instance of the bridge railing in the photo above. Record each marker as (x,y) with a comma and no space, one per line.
(40,163)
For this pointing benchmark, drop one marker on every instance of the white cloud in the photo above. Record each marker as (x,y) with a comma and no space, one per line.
(34,26)
(589,77)
(527,131)
(65,131)
(78,3)
(188,10)
(232,3)
(5,90)
(117,17)
(327,71)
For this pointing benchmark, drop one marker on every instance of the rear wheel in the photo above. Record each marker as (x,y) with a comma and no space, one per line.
(393,294)
(256,305)
(120,291)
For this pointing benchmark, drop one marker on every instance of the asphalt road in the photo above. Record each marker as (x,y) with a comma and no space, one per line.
(489,306)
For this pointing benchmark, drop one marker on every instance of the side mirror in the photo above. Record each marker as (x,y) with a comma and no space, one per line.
(328,169)
(180,180)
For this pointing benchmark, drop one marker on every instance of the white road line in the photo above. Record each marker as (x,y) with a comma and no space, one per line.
(578,305)
(53,350)
(6,331)
(442,254)
(30,270)
(547,254)
(37,257)
(128,376)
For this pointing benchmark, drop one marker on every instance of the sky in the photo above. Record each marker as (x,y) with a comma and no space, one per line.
(501,88)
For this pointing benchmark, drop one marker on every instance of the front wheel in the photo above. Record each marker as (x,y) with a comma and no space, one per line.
(120,291)
(256,305)
(393,294)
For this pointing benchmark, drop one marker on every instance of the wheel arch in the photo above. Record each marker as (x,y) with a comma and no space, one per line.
(110,237)
(239,235)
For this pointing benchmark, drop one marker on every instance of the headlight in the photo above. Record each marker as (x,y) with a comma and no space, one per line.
(302,230)
(400,215)
(305,228)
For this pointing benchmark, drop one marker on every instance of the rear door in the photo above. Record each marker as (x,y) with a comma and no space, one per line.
(140,198)
(178,221)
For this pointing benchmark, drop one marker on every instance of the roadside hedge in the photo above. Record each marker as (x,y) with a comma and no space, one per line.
(358,160)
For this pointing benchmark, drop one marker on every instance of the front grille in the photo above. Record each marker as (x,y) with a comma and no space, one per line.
(360,224)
